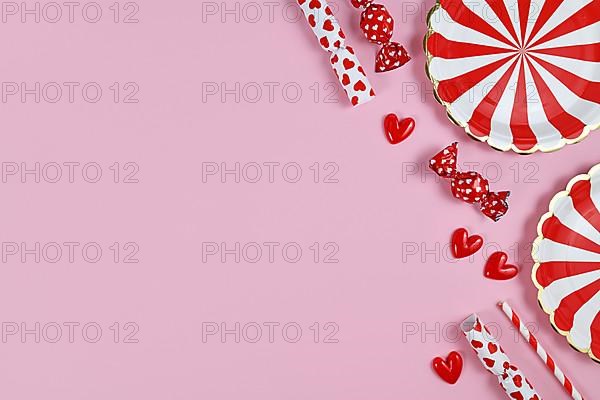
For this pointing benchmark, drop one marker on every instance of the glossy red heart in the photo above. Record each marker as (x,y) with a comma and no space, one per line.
(497,268)
(450,368)
(395,130)
(464,245)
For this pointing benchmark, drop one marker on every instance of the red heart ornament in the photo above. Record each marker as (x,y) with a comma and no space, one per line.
(464,245)
(450,368)
(396,131)
(497,268)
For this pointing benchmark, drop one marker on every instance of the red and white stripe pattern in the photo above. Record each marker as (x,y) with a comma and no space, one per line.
(541,352)
(567,256)
(519,74)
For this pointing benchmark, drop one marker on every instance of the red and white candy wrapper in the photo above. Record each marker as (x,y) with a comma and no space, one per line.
(332,39)
(469,186)
(377,25)
(494,359)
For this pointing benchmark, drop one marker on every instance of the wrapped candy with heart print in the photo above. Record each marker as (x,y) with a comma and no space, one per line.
(345,64)
(493,358)
(469,186)
(377,25)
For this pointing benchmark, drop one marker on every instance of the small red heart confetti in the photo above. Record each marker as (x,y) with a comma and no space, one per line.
(450,368)
(395,130)
(497,268)
(464,245)
(314,4)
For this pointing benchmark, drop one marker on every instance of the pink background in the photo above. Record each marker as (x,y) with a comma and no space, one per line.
(378,216)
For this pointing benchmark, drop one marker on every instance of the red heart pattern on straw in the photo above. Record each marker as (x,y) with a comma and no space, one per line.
(345,64)
(493,358)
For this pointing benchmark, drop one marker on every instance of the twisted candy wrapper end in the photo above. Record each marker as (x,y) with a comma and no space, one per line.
(392,55)
(493,358)
(345,64)
(495,205)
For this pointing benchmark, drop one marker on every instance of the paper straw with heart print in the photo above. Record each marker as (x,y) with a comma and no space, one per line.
(494,359)
(345,64)
(546,358)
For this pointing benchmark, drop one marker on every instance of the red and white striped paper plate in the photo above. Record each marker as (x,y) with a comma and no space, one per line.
(567,262)
(519,74)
